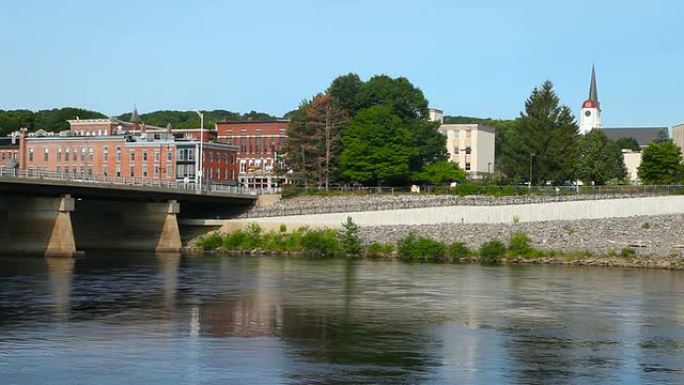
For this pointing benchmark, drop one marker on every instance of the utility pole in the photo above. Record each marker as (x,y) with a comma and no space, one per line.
(200,157)
(532,154)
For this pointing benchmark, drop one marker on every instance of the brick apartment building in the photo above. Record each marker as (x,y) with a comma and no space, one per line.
(260,143)
(107,147)
(9,151)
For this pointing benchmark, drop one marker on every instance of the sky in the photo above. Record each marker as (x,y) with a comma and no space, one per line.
(475,58)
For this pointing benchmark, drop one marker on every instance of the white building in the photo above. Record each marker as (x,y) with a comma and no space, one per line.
(435,115)
(471,146)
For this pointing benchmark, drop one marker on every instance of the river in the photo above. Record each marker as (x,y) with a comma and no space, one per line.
(129,319)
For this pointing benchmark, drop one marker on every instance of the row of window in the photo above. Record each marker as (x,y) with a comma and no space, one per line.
(87,154)
(8,155)
(82,170)
(259,145)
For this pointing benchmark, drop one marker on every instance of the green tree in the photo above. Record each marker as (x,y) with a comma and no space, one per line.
(661,163)
(440,172)
(628,144)
(346,89)
(377,148)
(599,159)
(349,238)
(406,100)
(546,136)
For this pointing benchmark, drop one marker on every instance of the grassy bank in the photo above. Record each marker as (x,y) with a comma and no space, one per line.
(345,243)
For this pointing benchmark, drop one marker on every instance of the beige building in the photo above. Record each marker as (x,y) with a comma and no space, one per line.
(435,115)
(632,161)
(678,135)
(471,146)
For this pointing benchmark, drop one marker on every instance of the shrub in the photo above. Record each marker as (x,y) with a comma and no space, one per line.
(273,241)
(627,252)
(293,241)
(253,234)
(379,250)
(519,244)
(321,243)
(459,250)
(349,238)
(283,228)
(491,252)
(209,241)
(235,240)
(645,225)
(415,248)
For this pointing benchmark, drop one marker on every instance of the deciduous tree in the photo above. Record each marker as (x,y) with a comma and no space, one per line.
(661,163)
(599,159)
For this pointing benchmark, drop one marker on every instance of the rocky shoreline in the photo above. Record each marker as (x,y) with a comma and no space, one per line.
(659,236)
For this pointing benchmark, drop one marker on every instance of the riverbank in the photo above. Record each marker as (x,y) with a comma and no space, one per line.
(641,242)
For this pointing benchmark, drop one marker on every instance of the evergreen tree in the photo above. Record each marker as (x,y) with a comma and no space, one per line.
(628,144)
(349,238)
(545,136)
(661,163)
(599,159)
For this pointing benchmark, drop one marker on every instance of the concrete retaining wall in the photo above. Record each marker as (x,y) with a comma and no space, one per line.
(590,209)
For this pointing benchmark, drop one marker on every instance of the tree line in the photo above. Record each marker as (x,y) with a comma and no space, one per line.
(55,119)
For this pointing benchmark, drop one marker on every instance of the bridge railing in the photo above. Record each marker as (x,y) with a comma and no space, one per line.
(207,186)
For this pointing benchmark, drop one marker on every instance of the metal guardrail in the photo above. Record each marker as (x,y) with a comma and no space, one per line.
(132,181)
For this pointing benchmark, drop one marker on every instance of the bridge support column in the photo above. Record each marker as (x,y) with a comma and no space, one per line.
(61,242)
(170,239)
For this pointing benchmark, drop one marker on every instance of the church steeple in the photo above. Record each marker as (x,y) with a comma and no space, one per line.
(590,116)
(593,93)
(134,115)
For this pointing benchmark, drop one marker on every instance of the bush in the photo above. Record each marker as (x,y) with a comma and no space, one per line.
(235,240)
(519,245)
(627,252)
(253,234)
(210,241)
(379,250)
(491,252)
(459,250)
(349,238)
(415,248)
(321,243)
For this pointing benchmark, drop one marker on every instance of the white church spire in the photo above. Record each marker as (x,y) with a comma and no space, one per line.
(590,116)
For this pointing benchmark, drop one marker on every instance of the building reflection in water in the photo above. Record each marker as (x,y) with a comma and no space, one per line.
(60,275)
(168,267)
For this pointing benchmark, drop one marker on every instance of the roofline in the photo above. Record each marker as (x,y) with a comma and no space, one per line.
(253,121)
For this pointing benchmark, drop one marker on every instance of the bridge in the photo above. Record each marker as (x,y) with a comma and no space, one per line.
(57,214)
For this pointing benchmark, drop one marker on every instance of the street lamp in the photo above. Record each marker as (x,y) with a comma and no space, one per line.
(200,159)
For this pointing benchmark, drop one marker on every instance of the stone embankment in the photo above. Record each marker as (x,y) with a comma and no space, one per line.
(355,203)
(661,236)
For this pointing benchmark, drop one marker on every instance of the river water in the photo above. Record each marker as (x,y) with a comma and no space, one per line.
(147,319)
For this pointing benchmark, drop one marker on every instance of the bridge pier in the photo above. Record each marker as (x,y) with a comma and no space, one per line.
(37,226)
(170,239)
(62,243)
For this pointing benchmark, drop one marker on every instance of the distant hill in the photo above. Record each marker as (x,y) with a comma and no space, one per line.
(189,119)
(49,120)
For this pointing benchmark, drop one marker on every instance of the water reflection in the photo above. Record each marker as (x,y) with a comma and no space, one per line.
(190,319)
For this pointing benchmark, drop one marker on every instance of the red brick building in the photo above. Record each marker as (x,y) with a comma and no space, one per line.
(150,155)
(9,151)
(259,145)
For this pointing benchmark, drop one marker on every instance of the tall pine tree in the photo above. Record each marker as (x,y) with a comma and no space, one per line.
(544,140)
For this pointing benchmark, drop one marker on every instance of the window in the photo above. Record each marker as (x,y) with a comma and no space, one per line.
(105,153)
(118,153)
(45,154)
(180,155)
(83,154)
(131,171)
(169,155)
(104,170)
(209,154)
(467,166)
(66,154)
(191,154)
(156,170)
(31,154)
(468,150)
(243,166)
(90,171)
(59,154)
(75,151)
(90,154)
(144,155)
(243,144)
(144,170)
(180,171)
(58,169)
(132,156)
(168,170)
(118,171)
(156,156)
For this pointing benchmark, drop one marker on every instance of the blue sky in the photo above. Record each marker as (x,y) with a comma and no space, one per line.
(477,58)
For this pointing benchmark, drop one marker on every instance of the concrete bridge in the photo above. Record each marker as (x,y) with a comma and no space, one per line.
(47,214)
